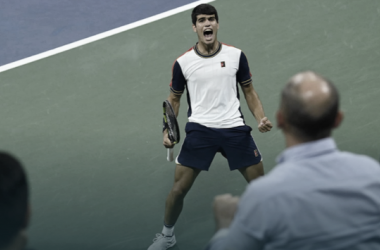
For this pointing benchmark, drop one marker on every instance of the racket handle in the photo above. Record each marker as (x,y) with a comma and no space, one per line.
(170,154)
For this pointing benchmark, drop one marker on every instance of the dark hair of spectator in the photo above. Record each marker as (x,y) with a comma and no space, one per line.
(203,9)
(13,198)
(306,125)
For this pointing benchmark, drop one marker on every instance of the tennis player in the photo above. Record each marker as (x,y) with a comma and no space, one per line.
(210,72)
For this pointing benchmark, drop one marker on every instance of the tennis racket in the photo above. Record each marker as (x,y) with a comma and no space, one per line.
(171,124)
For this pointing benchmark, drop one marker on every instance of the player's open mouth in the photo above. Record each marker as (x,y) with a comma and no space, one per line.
(208,34)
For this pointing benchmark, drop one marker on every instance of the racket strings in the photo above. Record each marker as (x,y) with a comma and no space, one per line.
(171,124)
(173,130)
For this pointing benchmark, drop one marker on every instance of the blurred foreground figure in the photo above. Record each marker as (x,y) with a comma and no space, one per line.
(317,197)
(14,203)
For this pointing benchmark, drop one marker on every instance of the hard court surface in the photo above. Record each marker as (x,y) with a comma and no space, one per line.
(86,123)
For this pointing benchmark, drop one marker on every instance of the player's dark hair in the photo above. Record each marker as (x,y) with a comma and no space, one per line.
(305,124)
(13,198)
(204,9)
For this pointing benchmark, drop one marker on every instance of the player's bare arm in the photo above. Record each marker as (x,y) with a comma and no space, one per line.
(175,102)
(256,108)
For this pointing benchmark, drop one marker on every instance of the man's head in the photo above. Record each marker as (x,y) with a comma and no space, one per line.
(14,211)
(309,107)
(205,23)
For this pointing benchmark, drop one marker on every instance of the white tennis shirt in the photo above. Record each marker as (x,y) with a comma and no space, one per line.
(212,85)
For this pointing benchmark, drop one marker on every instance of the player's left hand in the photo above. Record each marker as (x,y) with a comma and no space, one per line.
(225,207)
(265,125)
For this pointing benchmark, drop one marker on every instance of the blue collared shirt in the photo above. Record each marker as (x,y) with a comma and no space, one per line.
(317,197)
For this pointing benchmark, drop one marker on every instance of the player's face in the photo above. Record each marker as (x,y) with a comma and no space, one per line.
(206,27)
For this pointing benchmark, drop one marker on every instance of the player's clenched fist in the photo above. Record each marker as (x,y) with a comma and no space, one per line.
(265,125)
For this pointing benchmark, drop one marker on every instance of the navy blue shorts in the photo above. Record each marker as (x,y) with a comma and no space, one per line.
(202,143)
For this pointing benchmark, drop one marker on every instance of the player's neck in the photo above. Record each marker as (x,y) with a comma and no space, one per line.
(207,49)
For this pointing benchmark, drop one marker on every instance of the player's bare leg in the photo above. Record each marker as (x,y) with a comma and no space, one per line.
(252,172)
(184,178)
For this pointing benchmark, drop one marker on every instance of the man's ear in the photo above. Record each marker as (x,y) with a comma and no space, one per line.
(280,119)
(194,28)
(338,119)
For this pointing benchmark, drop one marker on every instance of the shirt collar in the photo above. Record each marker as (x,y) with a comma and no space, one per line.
(307,150)
(208,56)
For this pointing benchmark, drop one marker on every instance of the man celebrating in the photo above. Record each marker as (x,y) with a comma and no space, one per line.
(317,197)
(210,71)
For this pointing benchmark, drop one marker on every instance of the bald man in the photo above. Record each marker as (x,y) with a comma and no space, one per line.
(317,197)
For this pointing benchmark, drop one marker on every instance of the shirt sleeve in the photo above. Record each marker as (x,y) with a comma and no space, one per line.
(248,230)
(244,74)
(177,85)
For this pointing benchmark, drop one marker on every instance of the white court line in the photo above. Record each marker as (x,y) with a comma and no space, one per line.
(100,36)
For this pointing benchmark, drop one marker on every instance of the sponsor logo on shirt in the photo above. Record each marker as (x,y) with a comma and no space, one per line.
(223,64)
(256,153)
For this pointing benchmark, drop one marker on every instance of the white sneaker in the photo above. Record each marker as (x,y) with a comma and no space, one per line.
(162,242)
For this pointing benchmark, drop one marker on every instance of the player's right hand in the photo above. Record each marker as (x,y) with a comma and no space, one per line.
(167,142)
(265,125)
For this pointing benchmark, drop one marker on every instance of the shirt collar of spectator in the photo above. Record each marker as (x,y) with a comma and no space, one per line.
(307,150)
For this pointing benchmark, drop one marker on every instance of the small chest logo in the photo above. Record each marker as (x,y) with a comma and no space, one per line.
(256,153)
(223,64)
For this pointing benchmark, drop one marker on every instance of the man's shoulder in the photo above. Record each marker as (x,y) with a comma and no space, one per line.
(186,54)
(365,161)
(228,47)
(289,178)
(291,174)
(358,156)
